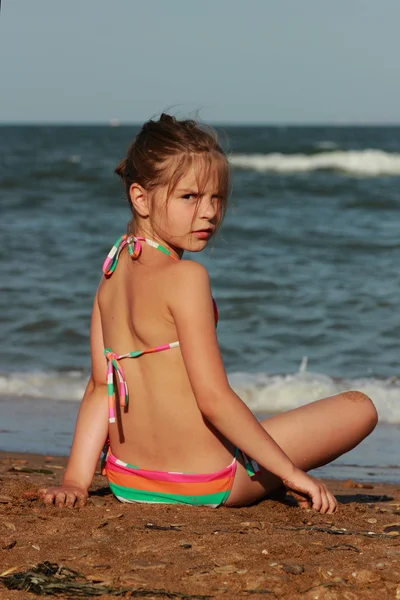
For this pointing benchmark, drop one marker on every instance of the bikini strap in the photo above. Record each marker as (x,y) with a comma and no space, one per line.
(134,249)
(112,257)
(114,367)
(251,465)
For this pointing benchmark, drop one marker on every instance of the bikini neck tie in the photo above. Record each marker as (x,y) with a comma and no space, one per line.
(134,249)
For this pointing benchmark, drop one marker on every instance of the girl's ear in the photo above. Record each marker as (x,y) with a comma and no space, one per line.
(140,200)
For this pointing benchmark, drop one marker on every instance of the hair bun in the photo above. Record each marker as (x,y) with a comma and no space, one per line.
(164,118)
(121,168)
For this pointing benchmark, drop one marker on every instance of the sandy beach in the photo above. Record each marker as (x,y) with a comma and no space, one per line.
(273,549)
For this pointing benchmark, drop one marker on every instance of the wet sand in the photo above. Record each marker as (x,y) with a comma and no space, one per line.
(271,550)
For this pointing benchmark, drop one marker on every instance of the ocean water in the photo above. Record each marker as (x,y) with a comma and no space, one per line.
(305,272)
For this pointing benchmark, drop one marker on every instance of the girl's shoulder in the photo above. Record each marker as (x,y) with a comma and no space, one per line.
(188,293)
(183,269)
(188,276)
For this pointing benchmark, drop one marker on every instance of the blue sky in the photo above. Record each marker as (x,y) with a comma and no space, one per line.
(260,61)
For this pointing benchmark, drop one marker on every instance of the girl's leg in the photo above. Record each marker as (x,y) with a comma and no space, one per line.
(312,435)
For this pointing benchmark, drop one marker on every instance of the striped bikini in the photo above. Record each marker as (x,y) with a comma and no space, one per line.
(130,483)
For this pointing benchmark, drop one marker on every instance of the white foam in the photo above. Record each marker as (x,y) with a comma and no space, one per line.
(263,393)
(356,162)
(36,384)
(277,393)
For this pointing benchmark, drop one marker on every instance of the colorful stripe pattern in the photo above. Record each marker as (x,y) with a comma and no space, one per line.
(134,249)
(113,366)
(132,484)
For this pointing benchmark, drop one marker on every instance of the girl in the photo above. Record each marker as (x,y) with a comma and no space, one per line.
(177,432)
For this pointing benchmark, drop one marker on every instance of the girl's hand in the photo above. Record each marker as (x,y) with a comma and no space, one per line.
(69,495)
(311,491)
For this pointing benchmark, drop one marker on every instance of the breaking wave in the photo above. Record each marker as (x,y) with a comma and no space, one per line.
(262,392)
(370,163)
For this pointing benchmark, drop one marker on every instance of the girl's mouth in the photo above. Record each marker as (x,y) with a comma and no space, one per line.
(203,234)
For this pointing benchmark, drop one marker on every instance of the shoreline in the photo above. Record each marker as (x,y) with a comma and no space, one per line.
(272,548)
(376,459)
(59,461)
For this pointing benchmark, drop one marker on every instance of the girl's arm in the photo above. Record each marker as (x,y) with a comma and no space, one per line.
(91,427)
(191,307)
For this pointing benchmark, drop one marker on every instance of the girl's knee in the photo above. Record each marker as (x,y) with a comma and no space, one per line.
(366,410)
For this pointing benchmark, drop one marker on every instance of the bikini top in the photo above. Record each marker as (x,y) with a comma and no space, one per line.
(113,367)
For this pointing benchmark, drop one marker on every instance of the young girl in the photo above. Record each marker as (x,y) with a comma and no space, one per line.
(175,429)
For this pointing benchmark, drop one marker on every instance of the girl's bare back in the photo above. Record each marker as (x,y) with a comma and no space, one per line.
(163,416)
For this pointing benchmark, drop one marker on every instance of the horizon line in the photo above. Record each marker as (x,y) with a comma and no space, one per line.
(115,124)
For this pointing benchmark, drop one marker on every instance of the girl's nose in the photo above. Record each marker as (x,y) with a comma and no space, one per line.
(209,208)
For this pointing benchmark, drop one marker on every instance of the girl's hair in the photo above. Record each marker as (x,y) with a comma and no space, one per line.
(164,150)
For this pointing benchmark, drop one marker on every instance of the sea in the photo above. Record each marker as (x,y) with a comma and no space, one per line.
(305,272)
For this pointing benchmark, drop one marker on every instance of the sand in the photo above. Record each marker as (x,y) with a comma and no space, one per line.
(271,550)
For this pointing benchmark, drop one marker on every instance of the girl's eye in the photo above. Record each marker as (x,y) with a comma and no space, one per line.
(189,197)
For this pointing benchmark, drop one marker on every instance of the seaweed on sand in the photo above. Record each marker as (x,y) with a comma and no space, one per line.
(51,579)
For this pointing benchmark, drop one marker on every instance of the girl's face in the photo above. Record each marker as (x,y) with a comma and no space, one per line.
(187,219)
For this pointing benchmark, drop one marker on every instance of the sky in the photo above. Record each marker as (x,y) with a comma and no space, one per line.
(227,61)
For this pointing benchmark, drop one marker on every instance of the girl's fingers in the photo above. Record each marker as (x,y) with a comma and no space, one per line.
(303,502)
(70,498)
(316,495)
(59,499)
(332,503)
(317,500)
(323,499)
(48,498)
(330,500)
(63,496)
(80,499)
(325,502)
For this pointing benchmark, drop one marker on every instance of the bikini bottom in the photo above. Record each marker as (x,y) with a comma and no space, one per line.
(132,484)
